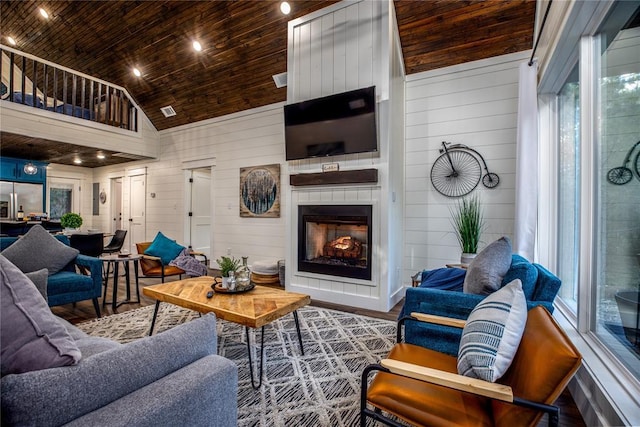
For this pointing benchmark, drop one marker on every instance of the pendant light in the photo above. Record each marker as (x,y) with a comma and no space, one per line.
(29,167)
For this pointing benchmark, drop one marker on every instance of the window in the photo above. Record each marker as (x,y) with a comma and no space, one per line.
(568,216)
(605,163)
(617,234)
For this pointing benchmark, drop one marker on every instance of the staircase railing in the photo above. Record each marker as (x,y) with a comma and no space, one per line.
(38,83)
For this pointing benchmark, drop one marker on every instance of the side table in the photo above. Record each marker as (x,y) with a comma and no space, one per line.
(116,260)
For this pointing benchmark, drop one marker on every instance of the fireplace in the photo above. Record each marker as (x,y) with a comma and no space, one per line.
(335,240)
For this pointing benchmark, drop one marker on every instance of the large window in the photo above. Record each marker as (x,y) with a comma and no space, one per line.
(568,216)
(606,164)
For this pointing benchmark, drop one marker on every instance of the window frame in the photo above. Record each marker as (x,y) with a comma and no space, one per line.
(604,384)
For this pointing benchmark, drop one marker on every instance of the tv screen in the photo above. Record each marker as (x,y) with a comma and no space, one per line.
(344,123)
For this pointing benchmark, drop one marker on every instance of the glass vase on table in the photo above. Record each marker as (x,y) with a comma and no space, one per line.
(243,274)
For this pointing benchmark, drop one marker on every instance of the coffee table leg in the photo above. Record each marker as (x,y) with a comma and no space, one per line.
(127,278)
(295,317)
(106,284)
(114,304)
(135,270)
(153,321)
(253,384)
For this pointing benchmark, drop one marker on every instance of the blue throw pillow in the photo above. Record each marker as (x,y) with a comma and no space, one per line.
(448,279)
(164,248)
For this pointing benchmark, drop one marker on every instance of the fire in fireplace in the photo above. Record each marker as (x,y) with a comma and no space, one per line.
(335,240)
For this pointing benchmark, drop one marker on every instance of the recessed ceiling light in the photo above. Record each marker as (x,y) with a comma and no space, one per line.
(77,161)
(101,156)
(11,40)
(285,7)
(197,46)
(44,13)
(137,72)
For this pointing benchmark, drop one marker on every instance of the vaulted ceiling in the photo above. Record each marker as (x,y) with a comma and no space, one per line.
(244,45)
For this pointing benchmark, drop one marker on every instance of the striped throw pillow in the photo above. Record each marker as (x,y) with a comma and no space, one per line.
(492,334)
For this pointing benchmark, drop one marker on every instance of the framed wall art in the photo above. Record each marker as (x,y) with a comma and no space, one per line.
(260,191)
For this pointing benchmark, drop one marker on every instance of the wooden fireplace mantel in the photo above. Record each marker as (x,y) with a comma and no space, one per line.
(359,176)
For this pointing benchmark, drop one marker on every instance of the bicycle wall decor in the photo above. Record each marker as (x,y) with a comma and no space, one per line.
(457,171)
(622,174)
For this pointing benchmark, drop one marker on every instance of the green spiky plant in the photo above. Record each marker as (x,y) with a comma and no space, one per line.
(468,221)
(227,264)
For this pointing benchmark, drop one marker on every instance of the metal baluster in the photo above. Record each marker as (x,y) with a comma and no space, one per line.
(34,83)
(55,88)
(64,92)
(98,119)
(108,107)
(24,67)
(45,68)
(11,67)
(91,102)
(82,95)
(74,87)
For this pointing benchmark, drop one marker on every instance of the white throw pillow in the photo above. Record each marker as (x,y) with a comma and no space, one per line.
(492,334)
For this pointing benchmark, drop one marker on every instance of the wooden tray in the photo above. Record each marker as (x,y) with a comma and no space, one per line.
(217,287)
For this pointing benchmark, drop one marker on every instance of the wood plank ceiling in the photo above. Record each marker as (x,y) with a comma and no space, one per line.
(244,44)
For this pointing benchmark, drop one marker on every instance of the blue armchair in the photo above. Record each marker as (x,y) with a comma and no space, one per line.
(540,287)
(68,285)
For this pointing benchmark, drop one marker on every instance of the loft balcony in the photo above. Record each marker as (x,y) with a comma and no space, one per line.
(40,84)
(61,110)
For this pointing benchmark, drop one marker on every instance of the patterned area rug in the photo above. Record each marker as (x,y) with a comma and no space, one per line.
(320,388)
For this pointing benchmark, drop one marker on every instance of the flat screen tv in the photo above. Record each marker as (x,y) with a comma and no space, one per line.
(344,123)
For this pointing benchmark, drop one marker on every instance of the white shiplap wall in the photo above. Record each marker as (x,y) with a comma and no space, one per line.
(350,45)
(474,104)
(250,138)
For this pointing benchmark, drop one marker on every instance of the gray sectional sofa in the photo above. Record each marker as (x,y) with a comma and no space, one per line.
(173,378)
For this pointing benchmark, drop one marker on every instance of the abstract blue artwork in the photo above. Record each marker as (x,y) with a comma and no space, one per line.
(260,191)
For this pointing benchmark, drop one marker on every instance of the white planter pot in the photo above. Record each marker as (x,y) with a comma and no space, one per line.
(466,258)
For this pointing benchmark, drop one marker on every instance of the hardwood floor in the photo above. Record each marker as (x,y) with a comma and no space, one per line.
(83,311)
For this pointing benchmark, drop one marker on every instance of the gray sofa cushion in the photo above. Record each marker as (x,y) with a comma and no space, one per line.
(201,394)
(52,253)
(105,377)
(39,278)
(486,271)
(87,344)
(32,339)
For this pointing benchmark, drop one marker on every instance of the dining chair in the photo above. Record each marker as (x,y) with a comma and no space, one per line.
(153,266)
(116,243)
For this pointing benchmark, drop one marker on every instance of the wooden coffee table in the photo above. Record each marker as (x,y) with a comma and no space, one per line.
(253,309)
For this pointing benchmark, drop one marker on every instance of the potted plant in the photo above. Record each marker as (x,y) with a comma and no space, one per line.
(71,221)
(227,265)
(468,222)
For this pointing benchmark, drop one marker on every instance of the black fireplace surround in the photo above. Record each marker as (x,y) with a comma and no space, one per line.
(335,240)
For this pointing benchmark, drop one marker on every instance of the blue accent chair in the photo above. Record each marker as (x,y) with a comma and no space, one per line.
(539,285)
(68,286)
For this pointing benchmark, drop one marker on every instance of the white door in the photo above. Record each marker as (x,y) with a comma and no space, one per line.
(116,204)
(137,208)
(200,212)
